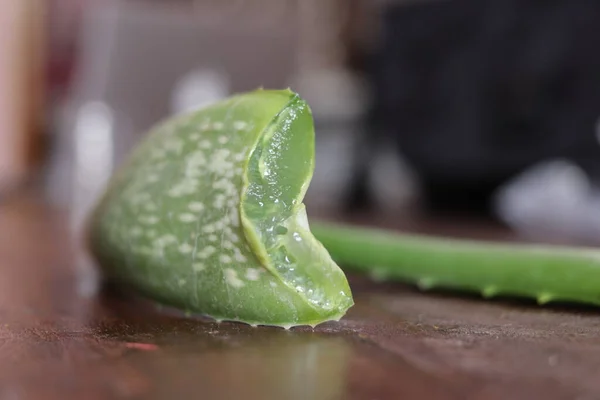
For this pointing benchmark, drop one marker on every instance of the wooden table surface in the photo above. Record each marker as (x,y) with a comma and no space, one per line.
(60,339)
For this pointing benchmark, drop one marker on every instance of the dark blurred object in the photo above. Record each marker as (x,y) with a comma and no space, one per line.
(474,92)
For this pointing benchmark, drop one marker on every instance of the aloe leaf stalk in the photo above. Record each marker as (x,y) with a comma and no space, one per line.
(544,273)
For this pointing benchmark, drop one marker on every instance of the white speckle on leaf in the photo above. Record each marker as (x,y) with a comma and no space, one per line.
(225,259)
(219,203)
(226,185)
(198,266)
(139,198)
(220,197)
(149,220)
(234,217)
(240,125)
(213,238)
(209,250)
(192,171)
(176,192)
(217,126)
(239,257)
(150,207)
(181,282)
(208,228)
(220,224)
(232,279)
(152,178)
(190,183)
(165,240)
(196,159)
(145,250)
(223,153)
(174,145)
(187,217)
(158,154)
(272,284)
(196,206)
(218,162)
(151,233)
(252,274)
(218,166)
(185,248)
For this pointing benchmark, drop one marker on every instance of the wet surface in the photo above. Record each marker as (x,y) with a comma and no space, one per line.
(59,339)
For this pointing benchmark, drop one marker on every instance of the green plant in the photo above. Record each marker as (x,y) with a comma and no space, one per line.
(207,216)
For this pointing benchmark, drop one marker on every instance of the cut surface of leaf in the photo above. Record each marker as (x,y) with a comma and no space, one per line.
(207,216)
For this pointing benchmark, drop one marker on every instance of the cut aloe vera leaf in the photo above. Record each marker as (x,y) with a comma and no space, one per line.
(207,216)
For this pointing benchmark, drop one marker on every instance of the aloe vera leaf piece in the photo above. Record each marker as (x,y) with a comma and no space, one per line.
(207,216)
(541,272)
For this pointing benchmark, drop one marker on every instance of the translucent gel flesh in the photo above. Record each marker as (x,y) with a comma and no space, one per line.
(274,218)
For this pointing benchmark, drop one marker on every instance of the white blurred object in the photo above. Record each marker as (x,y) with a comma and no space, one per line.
(198,89)
(391,180)
(554,198)
(94,151)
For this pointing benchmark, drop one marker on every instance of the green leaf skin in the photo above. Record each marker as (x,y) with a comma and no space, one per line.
(541,272)
(207,216)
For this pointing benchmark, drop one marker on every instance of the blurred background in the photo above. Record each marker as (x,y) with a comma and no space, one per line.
(471,108)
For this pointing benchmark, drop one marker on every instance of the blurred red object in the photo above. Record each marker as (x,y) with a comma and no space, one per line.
(64,19)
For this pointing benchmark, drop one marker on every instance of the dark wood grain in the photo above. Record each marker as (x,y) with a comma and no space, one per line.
(63,337)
